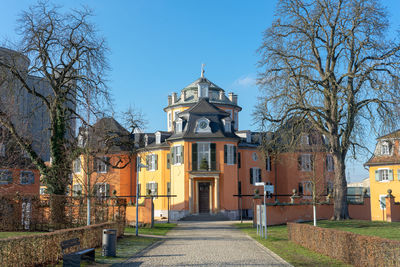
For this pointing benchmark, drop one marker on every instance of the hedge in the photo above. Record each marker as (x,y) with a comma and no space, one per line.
(45,248)
(355,249)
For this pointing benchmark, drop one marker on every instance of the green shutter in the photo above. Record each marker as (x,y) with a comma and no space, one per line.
(234,155)
(173,155)
(194,156)
(299,162)
(398,174)
(225,153)
(213,156)
(147,189)
(156,161)
(377,175)
(259,174)
(239,160)
(390,175)
(182,161)
(147,162)
(107,190)
(169,161)
(251,175)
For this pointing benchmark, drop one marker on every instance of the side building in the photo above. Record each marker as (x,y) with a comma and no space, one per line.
(384,173)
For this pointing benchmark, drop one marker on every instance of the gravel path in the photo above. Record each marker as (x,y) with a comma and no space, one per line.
(206,244)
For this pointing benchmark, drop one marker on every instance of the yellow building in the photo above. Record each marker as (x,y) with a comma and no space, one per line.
(384,173)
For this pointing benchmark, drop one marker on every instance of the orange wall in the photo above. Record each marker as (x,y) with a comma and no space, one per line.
(144,212)
(16,185)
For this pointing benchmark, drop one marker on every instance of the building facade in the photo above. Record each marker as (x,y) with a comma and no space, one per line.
(384,173)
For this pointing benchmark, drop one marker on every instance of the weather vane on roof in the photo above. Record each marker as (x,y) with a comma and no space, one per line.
(202,70)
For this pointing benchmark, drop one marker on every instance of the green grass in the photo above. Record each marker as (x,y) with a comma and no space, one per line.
(159,229)
(14,234)
(295,254)
(380,229)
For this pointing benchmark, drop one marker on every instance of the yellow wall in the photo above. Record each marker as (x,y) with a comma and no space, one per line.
(378,188)
(160,176)
(178,174)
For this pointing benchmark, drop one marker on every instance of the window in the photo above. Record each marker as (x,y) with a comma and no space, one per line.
(204,156)
(77,190)
(176,112)
(329,163)
(101,190)
(325,140)
(2,150)
(230,154)
(307,188)
(305,139)
(5,177)
(254,156)
(227,125)
(158,138)
(169,121)
(255,175)
(382,202)
(329,187)
(152,188)
(203,153)
(77,165)
(202,89)
(27,177)
(384,175)
(152,162)
(178,124)
(177,155)
(305,162)
(101,165)
(385,148)
(268,163)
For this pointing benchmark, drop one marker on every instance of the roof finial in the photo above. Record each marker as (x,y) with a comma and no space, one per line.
(202,70)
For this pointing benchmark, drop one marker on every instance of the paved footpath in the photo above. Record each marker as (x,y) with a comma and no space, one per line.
(206,244)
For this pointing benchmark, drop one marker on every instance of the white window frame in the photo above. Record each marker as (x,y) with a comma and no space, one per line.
(306,162)
(178,124)
(169,120)
(307,189)
(203,151)
(152,162)
(76,164)
(230,151)
(330,165)
(158,138)
(385,148)
(176,114)
(305,139)
(153,188)
(257,175)
(101,166)
(384,173)
(101,189)
(77,188)
(177,154)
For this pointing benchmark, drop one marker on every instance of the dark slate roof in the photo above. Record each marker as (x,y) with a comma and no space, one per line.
(203,109)
(108,136)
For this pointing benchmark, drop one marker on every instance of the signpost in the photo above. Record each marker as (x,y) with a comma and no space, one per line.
(262,212)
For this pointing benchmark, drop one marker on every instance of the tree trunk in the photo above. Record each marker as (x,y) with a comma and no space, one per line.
(340,209)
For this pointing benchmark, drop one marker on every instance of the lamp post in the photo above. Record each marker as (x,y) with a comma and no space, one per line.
(138,166)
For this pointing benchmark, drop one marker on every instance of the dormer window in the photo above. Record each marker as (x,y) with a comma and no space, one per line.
(146,140)
(203,89)
(385,148)
(158,138)
(305,139)
(227,124)
(178,125)
(203,126)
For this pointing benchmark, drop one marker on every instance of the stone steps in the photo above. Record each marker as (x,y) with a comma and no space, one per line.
(205,217)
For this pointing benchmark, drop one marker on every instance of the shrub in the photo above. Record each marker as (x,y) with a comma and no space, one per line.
(355,249)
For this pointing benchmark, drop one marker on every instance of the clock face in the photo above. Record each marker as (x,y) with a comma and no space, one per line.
(203,125)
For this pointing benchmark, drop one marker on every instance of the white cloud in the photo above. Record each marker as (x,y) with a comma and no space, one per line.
(246,81)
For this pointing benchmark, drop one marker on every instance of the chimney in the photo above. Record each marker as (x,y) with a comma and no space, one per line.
(234,99)
(183,96)
(169,100)
(221,95)
(196,94)
(174,98)
(230,96)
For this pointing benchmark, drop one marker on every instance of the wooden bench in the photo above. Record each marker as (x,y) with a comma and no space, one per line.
(74,258)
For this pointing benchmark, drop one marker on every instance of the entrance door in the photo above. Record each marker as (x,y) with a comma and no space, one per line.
(204,197)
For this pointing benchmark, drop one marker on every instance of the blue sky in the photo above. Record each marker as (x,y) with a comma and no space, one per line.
(157,47)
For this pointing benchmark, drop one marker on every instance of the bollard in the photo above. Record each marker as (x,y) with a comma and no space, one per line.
(109,242)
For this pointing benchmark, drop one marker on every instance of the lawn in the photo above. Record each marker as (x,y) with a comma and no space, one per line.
(14,234)
(296,255)
(381,229)
(159,229)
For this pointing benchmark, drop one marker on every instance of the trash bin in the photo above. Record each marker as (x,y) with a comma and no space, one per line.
(109,242)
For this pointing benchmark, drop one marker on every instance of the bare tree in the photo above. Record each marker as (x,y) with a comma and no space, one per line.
(66,53)
(329,61)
